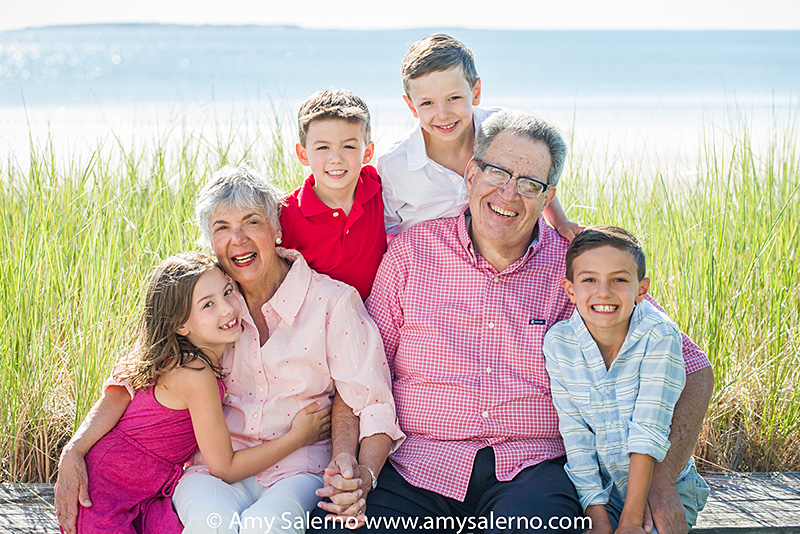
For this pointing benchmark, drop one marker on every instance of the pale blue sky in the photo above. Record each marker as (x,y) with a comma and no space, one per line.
(512,14)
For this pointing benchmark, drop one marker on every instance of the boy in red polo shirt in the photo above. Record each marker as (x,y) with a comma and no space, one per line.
(335,219)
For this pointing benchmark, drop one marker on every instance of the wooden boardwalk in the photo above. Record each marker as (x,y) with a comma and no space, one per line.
(758,503)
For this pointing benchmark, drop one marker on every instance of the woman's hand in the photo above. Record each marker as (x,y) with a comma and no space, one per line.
(71,489)
(312,424)
(72,484)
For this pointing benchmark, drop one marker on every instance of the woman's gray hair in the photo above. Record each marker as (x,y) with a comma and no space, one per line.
(528,126)
(240,188)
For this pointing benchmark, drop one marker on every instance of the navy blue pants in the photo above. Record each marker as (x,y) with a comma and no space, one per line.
(540,498)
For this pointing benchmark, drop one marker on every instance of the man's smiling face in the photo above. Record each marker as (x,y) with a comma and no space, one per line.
(502,219)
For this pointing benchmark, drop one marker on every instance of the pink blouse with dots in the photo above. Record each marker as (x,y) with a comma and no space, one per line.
(321,340)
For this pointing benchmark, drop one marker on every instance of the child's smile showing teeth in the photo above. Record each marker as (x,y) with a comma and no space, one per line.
(604,308)
(336,174)
(231,325)
(448,127)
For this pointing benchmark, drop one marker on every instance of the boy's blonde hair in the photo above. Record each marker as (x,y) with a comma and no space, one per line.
(437,53)
(333,104)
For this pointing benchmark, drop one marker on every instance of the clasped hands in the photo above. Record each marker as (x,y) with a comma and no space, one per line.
(346,485)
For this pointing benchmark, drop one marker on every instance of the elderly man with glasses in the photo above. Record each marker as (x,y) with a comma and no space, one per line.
(463,305)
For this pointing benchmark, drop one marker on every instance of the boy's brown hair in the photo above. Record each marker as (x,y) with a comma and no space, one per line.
(333,104)
(600,236)
(437,53)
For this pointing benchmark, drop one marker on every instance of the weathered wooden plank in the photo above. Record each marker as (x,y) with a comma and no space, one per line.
(27,509)
(749,503)
(743,503)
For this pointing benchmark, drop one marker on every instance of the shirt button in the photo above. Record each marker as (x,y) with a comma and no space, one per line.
(335,213)
(255,415)
(347,232)
(261,389)
(485,414)
(491,325)
(495,279)
(466,197)
(488,370)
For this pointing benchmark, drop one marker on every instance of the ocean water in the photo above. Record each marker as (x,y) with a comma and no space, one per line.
(624,87)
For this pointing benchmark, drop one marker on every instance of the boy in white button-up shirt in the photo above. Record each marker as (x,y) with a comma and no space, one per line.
(423,175)
(616,372)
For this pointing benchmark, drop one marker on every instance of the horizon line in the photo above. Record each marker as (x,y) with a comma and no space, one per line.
(408,28)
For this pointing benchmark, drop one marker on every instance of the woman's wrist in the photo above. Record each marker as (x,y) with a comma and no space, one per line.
(73,447)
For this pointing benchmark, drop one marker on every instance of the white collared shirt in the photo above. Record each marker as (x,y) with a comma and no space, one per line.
(416,188)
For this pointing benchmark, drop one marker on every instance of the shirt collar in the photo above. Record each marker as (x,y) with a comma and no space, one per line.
(417,155)
(367,187)
(289,296)
(636,329)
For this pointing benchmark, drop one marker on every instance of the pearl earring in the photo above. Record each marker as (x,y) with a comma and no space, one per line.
(278,240)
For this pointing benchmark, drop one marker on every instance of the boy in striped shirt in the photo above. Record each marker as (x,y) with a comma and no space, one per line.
(616,372)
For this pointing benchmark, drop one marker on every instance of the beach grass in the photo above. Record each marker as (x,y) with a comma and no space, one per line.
(79,235)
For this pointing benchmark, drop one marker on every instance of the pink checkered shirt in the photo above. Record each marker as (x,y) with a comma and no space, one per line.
(464,344)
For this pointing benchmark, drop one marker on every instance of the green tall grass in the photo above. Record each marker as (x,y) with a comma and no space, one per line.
(79,235)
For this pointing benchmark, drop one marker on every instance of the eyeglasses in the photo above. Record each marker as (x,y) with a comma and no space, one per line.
(499,177)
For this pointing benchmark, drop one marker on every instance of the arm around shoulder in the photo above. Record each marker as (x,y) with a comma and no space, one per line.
(72,482)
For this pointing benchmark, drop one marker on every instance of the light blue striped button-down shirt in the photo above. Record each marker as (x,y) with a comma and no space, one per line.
(604,415)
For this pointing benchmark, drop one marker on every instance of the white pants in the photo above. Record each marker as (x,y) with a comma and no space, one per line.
(206,504)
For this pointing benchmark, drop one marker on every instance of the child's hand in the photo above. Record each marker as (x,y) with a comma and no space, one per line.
(568,229)
(312,424)
(601,524)
(630,529)
(600,529)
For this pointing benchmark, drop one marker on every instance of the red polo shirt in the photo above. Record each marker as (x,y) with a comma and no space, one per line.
(346,248)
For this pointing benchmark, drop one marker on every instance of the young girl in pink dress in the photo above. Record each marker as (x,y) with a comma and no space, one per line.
(191,313)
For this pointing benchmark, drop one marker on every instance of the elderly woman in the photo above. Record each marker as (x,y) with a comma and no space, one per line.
(304,336)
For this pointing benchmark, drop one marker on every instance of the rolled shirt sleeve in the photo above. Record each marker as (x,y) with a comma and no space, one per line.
(359,369)
(662,376)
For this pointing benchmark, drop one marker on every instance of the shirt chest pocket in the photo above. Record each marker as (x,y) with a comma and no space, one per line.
(582,400)
(626,392)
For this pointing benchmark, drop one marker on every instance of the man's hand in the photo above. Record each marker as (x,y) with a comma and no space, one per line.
(345,487)
(666,512)
(71,488)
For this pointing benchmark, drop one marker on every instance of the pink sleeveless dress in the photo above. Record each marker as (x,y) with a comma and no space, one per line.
(134,469)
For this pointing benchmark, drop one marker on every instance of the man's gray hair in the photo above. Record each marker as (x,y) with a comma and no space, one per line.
(239,188)
(527,126)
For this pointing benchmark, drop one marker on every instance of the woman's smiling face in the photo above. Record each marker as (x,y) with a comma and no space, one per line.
(243,240)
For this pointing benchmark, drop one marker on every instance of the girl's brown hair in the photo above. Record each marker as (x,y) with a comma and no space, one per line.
(167,305)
